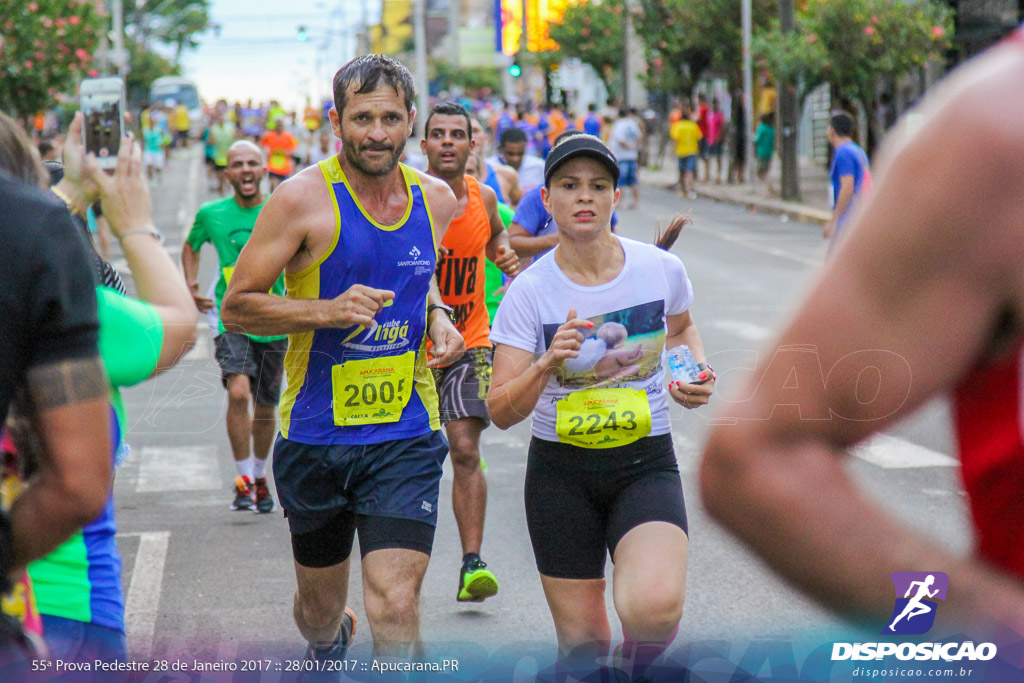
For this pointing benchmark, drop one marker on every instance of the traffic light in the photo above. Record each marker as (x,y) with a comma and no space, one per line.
(515,70)
(302,35)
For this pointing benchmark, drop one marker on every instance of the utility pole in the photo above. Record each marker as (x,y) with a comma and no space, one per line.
(788,121)
(117,17)
(627,45)
(454,7)
(748,90)
(419,27)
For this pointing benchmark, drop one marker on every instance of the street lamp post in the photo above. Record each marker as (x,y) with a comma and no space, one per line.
(419,25)
(788,116)
(748,90)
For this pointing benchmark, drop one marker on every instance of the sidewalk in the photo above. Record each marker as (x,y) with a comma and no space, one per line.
(813,208)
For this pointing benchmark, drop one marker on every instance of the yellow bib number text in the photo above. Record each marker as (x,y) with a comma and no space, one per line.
(372,390)
(603,418)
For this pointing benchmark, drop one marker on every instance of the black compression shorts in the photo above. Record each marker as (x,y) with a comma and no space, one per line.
(580,502)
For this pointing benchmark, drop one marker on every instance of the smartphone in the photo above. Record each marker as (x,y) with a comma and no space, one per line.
(103,106)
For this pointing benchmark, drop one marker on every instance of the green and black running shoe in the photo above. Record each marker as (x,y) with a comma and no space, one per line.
(476,581)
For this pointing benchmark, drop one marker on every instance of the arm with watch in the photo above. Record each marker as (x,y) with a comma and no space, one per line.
(683,330)
(128,208)
(448,343)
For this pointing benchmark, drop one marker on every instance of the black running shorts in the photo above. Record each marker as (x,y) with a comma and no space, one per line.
(261,362)
(580,502)
(462,386)
(387,491)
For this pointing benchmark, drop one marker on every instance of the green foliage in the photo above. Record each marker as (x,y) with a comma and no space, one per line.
(853,44)
(591,32)
(473,80)
(175,23)
(48,47)
(146,67)
(685,38)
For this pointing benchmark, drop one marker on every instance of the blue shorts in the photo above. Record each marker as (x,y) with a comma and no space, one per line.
(688,163)
(627,173)
(395,479)
(78,641)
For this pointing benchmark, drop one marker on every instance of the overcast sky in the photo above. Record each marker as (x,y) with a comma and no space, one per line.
(258,56)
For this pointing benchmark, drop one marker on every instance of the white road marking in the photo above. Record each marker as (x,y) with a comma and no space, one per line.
(774,251)
(187,210)
(182,468)
(740,328)
(890,452)
(142,602)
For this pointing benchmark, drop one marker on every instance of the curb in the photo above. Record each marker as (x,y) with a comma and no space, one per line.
(772,207)
(798,212)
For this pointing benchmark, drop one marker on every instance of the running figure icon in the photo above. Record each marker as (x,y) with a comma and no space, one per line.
(916,606)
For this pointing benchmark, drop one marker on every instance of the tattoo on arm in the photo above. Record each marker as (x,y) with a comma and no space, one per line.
(59,384)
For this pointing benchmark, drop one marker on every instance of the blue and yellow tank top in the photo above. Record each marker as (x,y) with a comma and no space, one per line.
(364,385)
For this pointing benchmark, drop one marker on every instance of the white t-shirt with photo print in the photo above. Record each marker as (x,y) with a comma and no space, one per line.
(628,314)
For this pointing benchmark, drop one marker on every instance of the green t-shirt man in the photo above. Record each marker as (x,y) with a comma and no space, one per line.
(494,280)
(222,136)
(227,226)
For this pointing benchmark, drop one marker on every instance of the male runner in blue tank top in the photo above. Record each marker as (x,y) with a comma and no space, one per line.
(360,444)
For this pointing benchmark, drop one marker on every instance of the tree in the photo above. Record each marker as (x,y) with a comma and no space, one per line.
(48,47)
(175,23)
(853,45)
(471,79)
(146,67)
(592,33)
(685,38)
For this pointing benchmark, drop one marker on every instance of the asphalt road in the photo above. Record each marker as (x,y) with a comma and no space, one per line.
(207,584)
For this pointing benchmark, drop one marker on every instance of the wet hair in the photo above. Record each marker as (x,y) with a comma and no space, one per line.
(512,136)
(450,108)
(664,239)
(18,156)
(842,123)
(368,71)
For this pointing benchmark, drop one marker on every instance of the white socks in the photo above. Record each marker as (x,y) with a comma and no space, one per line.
(245,467)
(259,467)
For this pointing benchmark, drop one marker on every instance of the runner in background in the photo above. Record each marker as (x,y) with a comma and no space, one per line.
(251,365)
(279,145)
(475,235)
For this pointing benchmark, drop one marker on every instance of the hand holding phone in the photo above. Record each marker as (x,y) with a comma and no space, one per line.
(103,107)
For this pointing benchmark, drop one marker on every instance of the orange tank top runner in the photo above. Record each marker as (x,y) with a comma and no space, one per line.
(460,274)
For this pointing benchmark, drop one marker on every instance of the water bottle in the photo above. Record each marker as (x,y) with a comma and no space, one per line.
(683,366)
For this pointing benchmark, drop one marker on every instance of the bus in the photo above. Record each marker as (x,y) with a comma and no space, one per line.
(183,91)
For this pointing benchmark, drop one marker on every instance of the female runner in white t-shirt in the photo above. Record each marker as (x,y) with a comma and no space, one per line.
(602,474)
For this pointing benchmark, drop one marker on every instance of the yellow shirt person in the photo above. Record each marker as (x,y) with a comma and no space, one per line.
(686,134)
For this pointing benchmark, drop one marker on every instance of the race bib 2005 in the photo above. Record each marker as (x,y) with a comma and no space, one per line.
(603,418)
(372,390)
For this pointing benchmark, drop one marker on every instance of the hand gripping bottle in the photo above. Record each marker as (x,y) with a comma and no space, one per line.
(683,366)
